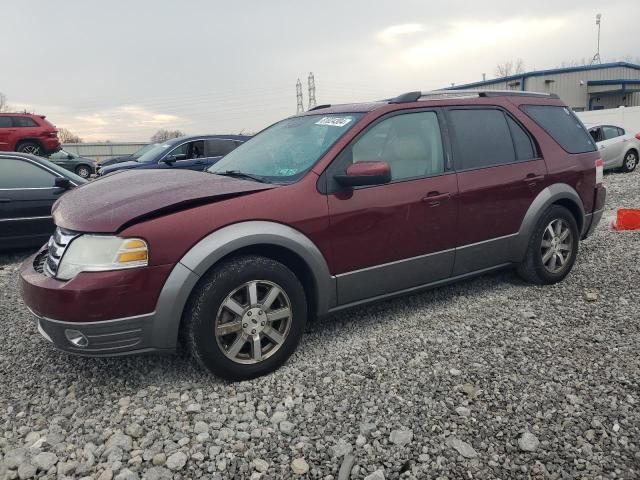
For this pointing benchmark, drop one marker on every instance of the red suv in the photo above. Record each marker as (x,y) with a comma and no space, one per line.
(327,210)
(27,133)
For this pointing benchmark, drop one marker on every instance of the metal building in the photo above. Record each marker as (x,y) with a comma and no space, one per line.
(589,87)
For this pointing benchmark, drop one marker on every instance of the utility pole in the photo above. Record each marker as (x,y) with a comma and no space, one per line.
(596,57)
(312,91)
(300,107)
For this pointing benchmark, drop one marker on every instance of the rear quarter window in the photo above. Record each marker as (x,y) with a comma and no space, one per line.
(563,126)
(24,122)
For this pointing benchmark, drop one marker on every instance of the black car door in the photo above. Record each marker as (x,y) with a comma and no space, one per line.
(27,192)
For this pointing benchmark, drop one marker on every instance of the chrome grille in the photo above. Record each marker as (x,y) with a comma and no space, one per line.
(56,247)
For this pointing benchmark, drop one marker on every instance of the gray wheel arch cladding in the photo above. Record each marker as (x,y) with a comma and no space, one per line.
(552,194)
(217,245)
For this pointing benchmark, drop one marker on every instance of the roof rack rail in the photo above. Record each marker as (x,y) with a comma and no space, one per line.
(319,107)
(449,94)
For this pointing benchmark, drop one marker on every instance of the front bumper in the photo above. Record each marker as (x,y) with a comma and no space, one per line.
(123,336)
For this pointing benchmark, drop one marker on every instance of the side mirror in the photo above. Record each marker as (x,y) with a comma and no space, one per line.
(365,173)
(62,182)
(70,157)
(169,159)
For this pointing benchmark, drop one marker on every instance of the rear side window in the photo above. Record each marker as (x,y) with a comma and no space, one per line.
(611,132)
(219,147)
(482,138)
(23,174)
(563,126)
(5,122)
(24,122)
(521,141)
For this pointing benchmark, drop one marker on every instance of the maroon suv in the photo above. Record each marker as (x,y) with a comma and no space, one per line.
(27,133)
(333,208)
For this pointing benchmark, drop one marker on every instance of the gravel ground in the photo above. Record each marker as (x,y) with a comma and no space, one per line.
(490,378)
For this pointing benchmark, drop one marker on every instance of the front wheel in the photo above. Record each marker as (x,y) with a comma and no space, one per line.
(630,162)
(83,171)
(245,317)
(553,247)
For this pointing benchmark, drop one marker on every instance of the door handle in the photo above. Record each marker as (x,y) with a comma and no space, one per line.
(533,178)
(434,198)
(602,147)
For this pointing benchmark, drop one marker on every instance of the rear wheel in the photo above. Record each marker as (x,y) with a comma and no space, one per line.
(83,171)
(246,317)
(32,148)
(553,247)
(630,161)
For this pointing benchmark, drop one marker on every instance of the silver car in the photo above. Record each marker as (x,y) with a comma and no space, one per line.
(618,148)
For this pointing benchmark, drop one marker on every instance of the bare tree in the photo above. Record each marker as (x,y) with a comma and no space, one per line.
(508,68)
(4,106)
(66,136)
(163,135)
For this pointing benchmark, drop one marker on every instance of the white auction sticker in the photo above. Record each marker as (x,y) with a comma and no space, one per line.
(334,121)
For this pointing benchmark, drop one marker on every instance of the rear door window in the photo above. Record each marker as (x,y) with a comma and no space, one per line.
(611,132)
(563,126)
(24,122)
(219,147)
(482,138)
(525,149)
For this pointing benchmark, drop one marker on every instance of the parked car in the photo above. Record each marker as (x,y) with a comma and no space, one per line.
(27,133)
(618,148)
(191,153)
(127,158)
(29,186)
(82,166)
(323,211)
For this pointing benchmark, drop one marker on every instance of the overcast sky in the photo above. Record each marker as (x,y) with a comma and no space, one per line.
(120,70)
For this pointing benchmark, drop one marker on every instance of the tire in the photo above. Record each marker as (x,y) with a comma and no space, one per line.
(537,267)
(225,289)
(30,147)
(630,161)
(83,171)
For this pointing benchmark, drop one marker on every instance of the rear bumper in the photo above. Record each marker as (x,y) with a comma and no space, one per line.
(50,145)
(122,336)
(592,219)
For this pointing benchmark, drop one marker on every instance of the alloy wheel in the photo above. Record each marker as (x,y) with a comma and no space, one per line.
(31,149)
(630,161)
(83,172)
(253,322)
(557,245)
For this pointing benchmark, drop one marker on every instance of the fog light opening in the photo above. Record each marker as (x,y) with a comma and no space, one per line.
(76,338)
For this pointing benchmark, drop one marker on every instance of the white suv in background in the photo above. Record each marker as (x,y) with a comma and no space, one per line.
(618,148)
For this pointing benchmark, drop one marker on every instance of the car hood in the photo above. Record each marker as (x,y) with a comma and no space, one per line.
(124,165)
(110,203)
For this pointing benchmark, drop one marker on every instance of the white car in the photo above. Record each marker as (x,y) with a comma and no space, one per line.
(618,148)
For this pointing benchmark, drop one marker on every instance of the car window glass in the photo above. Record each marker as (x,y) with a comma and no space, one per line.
(410,143)
(5,122)
(24,122)
(596,134)
(22,174)
(218,147)
(196,149)
(563,126)
(181,150)
(521,141)
(481,138)
(610,132)
(621,131)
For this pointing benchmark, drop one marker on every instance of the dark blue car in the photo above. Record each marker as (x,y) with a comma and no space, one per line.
(192,153)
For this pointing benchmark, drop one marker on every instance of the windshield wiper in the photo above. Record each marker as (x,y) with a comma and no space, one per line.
(239,174)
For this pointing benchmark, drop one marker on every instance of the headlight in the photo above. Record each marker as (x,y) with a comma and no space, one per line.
(99,253)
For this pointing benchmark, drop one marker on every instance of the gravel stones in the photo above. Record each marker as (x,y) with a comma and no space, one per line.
(176,461)
(299,466)
(528,442)
(463,448)
(121,441)
(45,460)
(401,437)
(377,475)
(260,465)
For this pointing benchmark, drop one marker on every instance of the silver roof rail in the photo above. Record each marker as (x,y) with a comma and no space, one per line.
(449,94)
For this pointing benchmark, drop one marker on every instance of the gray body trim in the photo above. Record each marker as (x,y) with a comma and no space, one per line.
(399,275)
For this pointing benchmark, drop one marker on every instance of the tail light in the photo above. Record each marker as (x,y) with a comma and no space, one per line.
(638,135)
(53,134)
(599,171)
